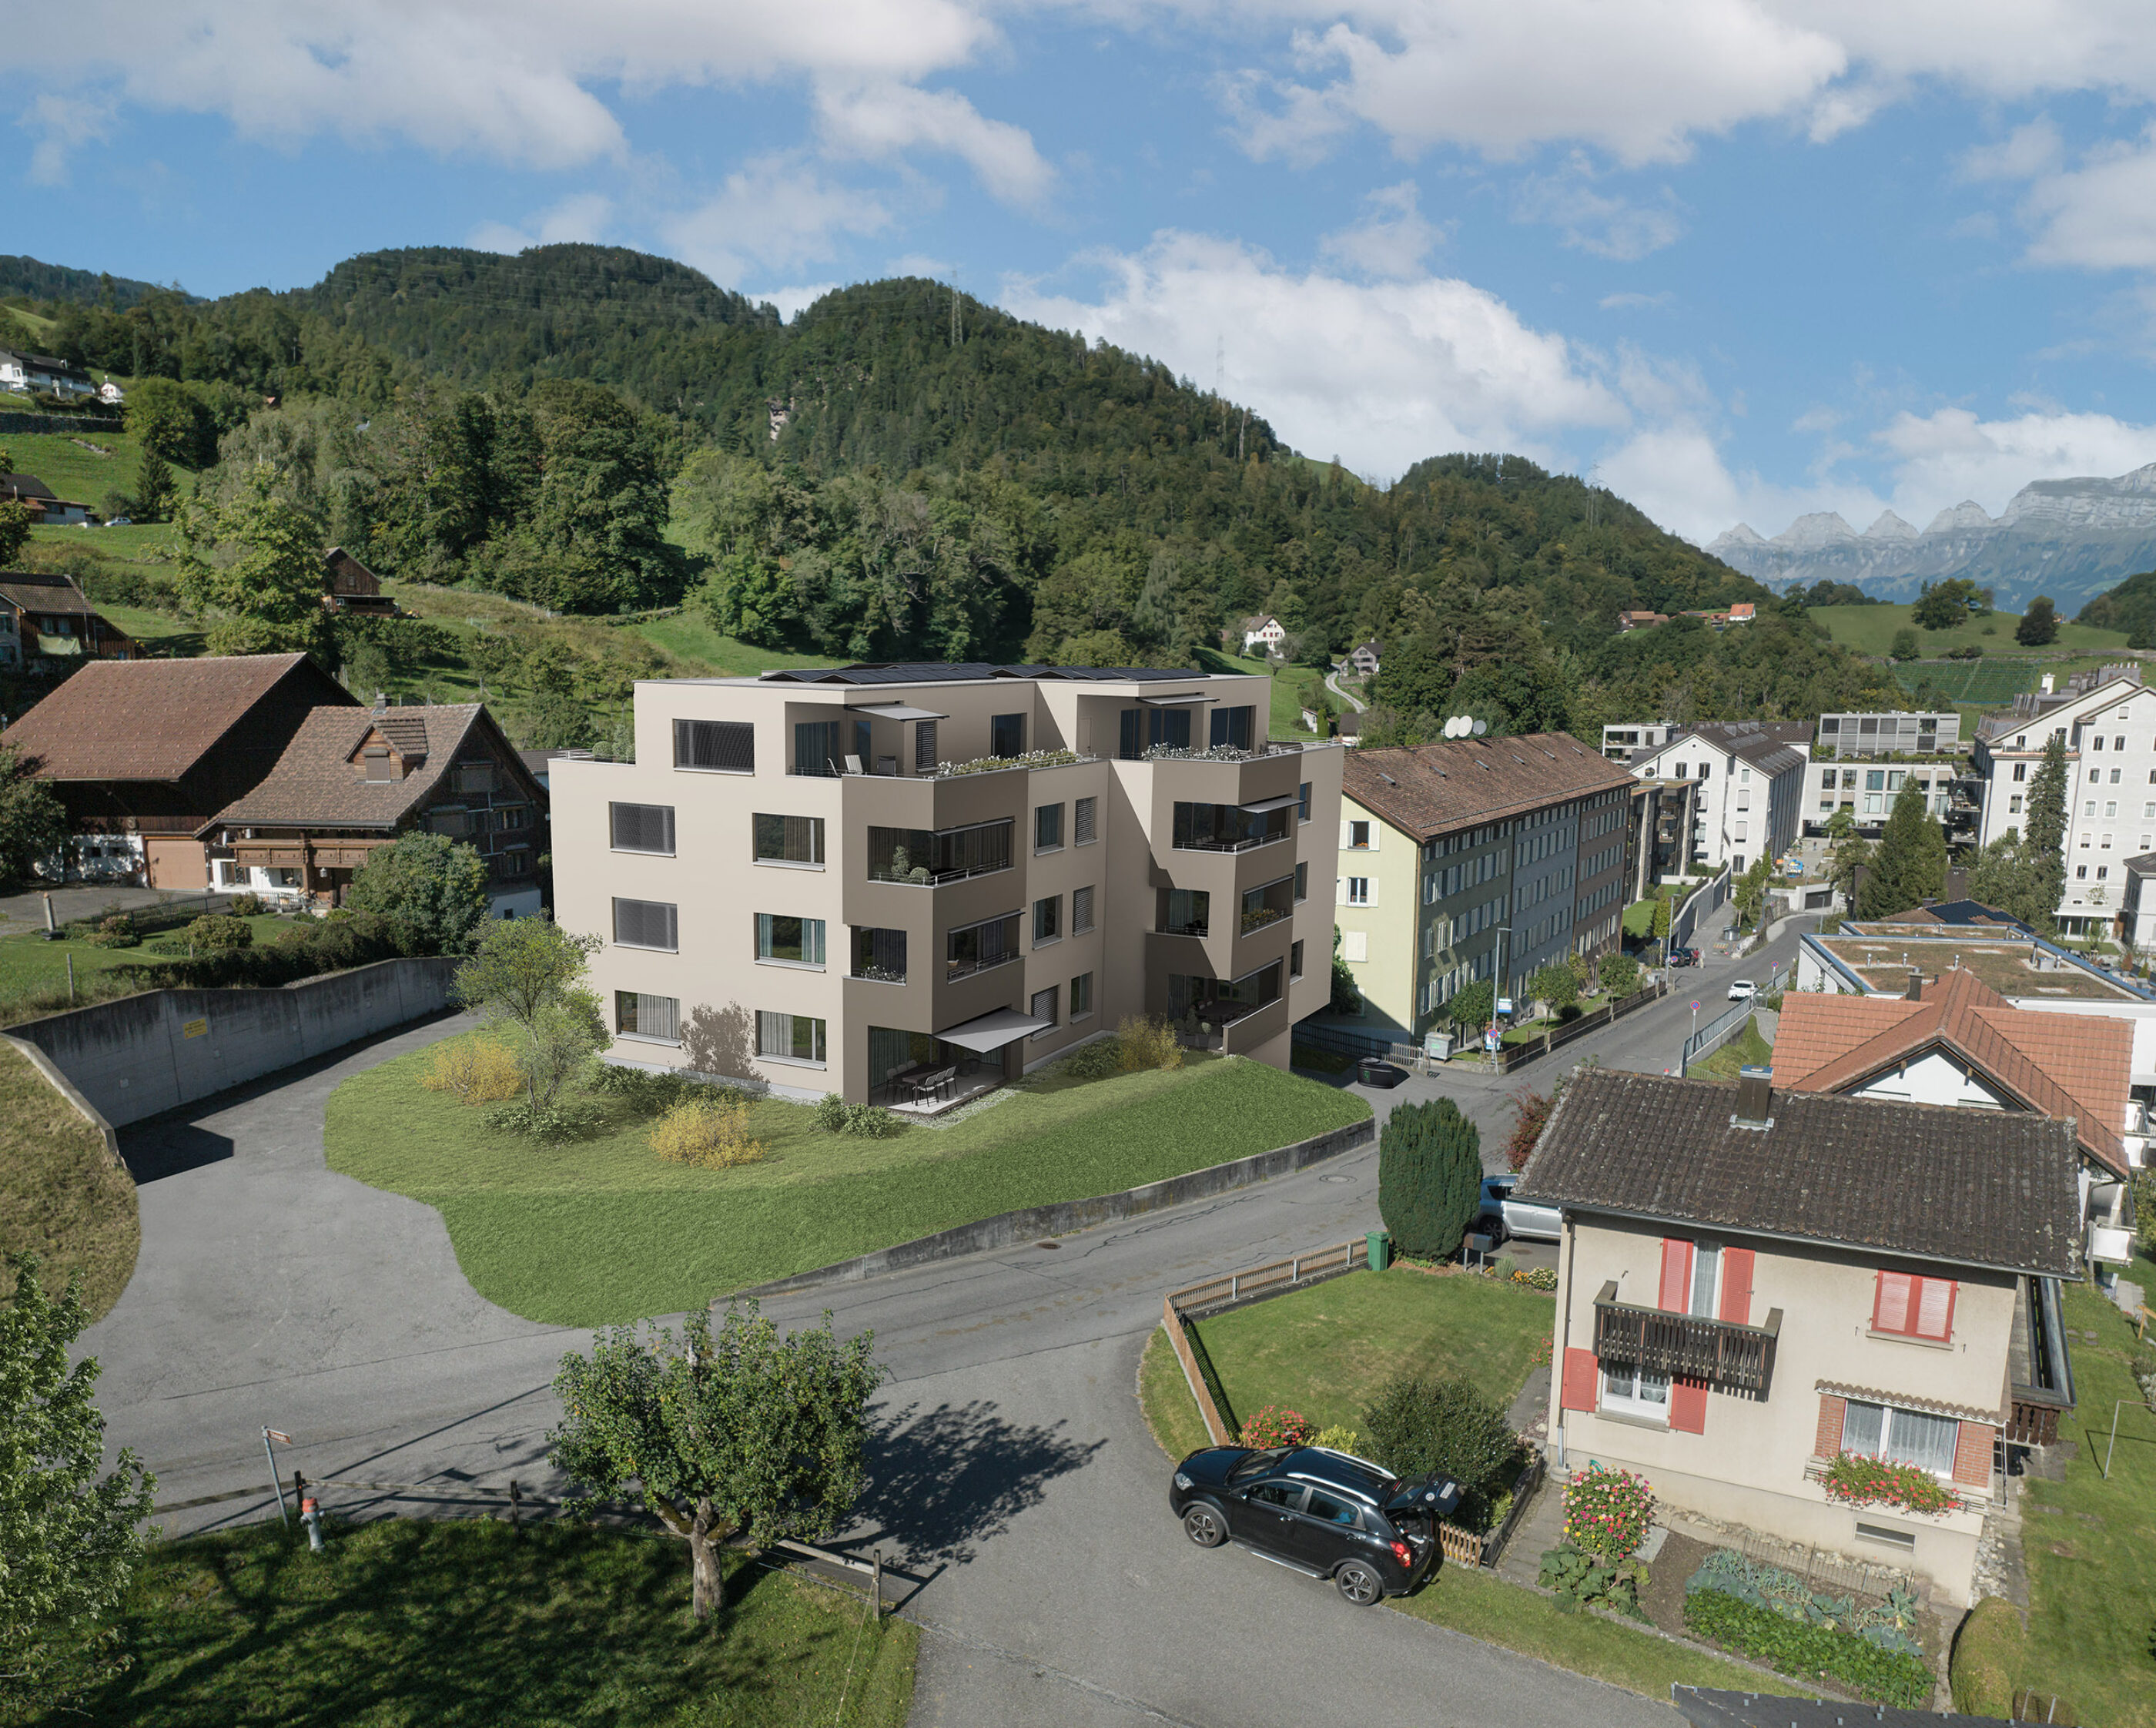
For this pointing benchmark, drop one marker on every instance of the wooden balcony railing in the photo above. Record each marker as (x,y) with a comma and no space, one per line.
(2032,1422)
(1686,1346)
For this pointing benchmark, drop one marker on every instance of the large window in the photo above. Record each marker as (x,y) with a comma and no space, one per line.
(1081,911)
(1226,827)
(643,827)
(1081,995)
(789,840)
(879,953)
(719,746)
(817,748)
(789,941)
(1901,1437)
(924,747)
(639,1015)
(645,923)
(1231,727)
(790,1037)
(1084,812)
(1006,735)
(975,947)
(1143,728)
(916,854)
(1189,913)
(1047,828)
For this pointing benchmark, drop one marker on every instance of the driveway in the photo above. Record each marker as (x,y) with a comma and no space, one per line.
(27,912)
(1014,1473)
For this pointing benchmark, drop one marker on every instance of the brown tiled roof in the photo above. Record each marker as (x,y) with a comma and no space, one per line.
(320,781)
(1425,789)
(2063,1065)
(1992,1188)
(34,590)
(148,719)
(25,486)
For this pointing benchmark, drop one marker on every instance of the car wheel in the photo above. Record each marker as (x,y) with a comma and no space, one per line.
(1358,1583)
(1204,1526)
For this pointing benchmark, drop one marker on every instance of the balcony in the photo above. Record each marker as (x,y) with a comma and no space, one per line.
(1739,1358)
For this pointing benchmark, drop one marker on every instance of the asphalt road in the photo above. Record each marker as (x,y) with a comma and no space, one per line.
(1015,1477)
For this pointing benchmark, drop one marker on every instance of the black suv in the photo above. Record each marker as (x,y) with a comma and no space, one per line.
(1326,1513)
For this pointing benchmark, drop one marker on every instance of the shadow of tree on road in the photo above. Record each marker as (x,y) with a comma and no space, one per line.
(947,1480)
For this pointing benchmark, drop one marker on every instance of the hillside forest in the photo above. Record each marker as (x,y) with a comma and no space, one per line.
(900,472)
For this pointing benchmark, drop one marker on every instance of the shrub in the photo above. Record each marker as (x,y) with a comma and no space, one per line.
(1096,1060)
(1429,1178)
(215,932)
(1809,1652)
(247,906)
(1537,1278)
(829,1112)
(1607,1512)
(1144,1042)
(1340,1439)
(1865,1482)
(1987,1650)
(1581,1581)
(478,1070)
(1531,1111)
(645,1092)
(709,1133)
(117,931)
(1620,974)
(1276,1426)
(834,1115)
(566,1118)
(1419,1426)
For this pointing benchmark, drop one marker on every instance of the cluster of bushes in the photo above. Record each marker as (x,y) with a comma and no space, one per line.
(117,931)
(476,1071)
(709,1130)
(1273,1426)
(1139,1043)
(1536,1277)
(1421,1426)
(220,952)
(1790,1647)
(834,1115)
(1889,1624)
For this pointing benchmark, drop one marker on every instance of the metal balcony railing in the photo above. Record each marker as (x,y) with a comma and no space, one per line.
(1686,1346)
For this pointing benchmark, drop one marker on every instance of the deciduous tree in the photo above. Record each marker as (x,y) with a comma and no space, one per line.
(255,564)
(34,825)
(525,979)
(433,889)
(2040,624)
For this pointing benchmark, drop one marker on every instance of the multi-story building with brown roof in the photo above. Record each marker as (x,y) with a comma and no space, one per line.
(144,752)
(1474,858)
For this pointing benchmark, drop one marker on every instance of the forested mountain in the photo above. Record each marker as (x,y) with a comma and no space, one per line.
(901,471)
(2130,607)
(28,277)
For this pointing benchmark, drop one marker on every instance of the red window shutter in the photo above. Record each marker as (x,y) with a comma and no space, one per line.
(1675,1295)
(1826,1443)
(1891,1308)
(1688,1405)
(1933,1309)
(1737,1286)
(1583,1377)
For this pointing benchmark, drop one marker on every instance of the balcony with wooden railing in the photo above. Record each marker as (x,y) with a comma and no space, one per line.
(1684,1346)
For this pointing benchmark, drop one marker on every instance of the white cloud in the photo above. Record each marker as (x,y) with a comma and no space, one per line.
(774,214)
(1593,221)
(1941,458)
(1381,374)
(2022,154)
(1392,237)
(580,216)
(792,302)
(1631,299)
(888,119)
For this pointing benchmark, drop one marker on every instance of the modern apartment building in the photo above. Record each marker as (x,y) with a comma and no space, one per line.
(1861,736)
(1751,776)
(852,879)
(1620,744)
(1474,858)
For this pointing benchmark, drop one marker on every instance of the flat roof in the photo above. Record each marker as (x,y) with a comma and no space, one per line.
(2002,963)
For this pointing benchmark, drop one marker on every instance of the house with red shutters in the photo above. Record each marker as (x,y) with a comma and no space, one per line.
(1753,1283)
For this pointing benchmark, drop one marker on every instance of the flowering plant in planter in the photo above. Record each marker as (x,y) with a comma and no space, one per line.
(1868,1481)
(1273,1426)
(1606,1512)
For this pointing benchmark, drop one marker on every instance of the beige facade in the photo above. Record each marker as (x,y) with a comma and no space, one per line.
(1720,1447)
(793,888)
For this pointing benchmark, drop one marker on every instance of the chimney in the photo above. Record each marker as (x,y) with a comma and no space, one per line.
(1755,1097)
(381,700)
(1915,991)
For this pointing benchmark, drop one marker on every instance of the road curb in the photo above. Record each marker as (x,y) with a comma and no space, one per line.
(1065,1216)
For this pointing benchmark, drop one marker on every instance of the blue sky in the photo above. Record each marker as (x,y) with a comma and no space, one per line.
(1735,258)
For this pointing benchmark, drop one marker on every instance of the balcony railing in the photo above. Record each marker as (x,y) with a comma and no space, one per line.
(1686,1346)
(1199,929)
(920,875)
(966,968)
(1249,844)
(1260,917)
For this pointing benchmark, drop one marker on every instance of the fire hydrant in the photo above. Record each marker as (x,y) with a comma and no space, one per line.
(311,1515)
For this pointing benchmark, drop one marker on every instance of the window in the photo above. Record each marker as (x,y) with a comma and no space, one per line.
(645,923)
(1189,912)
(1358,891)
(1912,1306)
(1705,770)
(1706,1271)
(2020,770)
(1041,1004)
(1294,960)
(1081,911)
(1328,1510)
(1875,779)
(2088,810)
(1303,800)
(2081,873)
(1231,727)
(790,1038)
(924,747)
(2014,805)
(1627,1390)
(1047,828)
(789,941)
(716,745)
(816,748)
(1358,836)
(1006,735)
(2095,743)
(879,954)
(1081,995)
(1901,1437)
(643,827)
(2114,777)
(1047,920)
(637,1016)
(1302,876)
(789,840)
(2118,744)
(474,777)
(975,947)
(1083,831)
(2096,776)
(1144,727)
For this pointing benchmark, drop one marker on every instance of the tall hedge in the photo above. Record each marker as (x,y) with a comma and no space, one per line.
(1429,1178)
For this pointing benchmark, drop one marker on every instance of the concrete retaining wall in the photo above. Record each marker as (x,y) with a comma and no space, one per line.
(1036,1222)
(139,1055)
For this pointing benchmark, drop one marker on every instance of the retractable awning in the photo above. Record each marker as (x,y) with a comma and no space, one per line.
(989,1032)
(1259,807)
(1188,700)
(894,711)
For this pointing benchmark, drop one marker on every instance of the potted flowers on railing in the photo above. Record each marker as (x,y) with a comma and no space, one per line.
(992,764)
(1260,917)
(1868,1481)
(1217,753)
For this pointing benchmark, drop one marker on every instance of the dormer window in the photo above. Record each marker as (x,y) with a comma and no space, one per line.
(380,765)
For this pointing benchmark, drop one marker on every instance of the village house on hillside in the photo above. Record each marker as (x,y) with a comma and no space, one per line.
(46,616)
(349,586)
(45,372)
(1263,634)
(47,509)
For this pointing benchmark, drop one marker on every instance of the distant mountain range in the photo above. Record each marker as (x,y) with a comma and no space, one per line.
(2071,539)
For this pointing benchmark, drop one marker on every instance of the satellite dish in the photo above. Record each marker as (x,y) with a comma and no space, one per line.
(1481,726)
(1452,726)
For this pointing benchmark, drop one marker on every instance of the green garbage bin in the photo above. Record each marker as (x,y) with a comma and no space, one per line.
(1380,1246)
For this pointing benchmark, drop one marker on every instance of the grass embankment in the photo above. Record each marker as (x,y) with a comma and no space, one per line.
(431,1623)
(1870,629)
(1324,1351)
(1640,915)
(2091,1567)
(59,1198)
(602,1230)
(34,972)
(1747,1050)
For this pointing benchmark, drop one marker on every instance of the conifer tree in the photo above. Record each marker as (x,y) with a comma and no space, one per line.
(1429,1178)
(1910,865)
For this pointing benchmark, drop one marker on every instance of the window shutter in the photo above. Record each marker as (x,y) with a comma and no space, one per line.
(1581,1377)
(1934,1307)
(1355,945)
(1370,890)
(1688,1405)
(1339,891)
(1376,828)
(1890,1308)
(1737,1286)
(1346,837)
(1677,1275)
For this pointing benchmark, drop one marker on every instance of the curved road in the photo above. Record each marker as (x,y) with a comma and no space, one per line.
(1014,1473)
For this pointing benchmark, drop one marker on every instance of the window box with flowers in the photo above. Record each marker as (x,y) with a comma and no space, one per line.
(1859,1481)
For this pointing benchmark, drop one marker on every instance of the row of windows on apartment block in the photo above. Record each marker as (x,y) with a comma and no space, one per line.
(1711,1283)
(1596,816)
(877,953)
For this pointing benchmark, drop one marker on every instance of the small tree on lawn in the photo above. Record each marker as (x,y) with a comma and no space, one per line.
(525,979)
(2040,624)
(1556,984)
(1620,972)
(431,887)
(69,1542)
(1531,1109)
(1666,911)
(748,1432)
(1429,1178)
(34,825)
(1470,1005)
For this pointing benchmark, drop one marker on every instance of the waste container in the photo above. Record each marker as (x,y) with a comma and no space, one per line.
(1378,1245)
(1437,1046)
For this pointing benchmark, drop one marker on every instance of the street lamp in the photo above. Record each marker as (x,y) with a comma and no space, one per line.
(1497,990)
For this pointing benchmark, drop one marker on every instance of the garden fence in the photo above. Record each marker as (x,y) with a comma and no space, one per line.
(1513,1055)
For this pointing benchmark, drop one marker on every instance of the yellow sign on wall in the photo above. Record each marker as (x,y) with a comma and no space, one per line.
(194,1028)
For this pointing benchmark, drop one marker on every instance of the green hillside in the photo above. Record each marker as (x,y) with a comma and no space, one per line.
(1871,630)
(33,281)
(2130,607)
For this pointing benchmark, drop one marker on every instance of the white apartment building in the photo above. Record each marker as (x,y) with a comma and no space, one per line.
(908,883)
(1750,775)
(1622,742)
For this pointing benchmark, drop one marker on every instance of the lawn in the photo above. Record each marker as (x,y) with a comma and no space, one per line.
(68,463)
(1870,629)
(1640,915)
(34,972)
(689,637)
(434,1622)
(1284,719)
(604,1229)
(59,1198)
(1747,1049)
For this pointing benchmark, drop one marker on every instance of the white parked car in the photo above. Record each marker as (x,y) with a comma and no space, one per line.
(1743,990)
